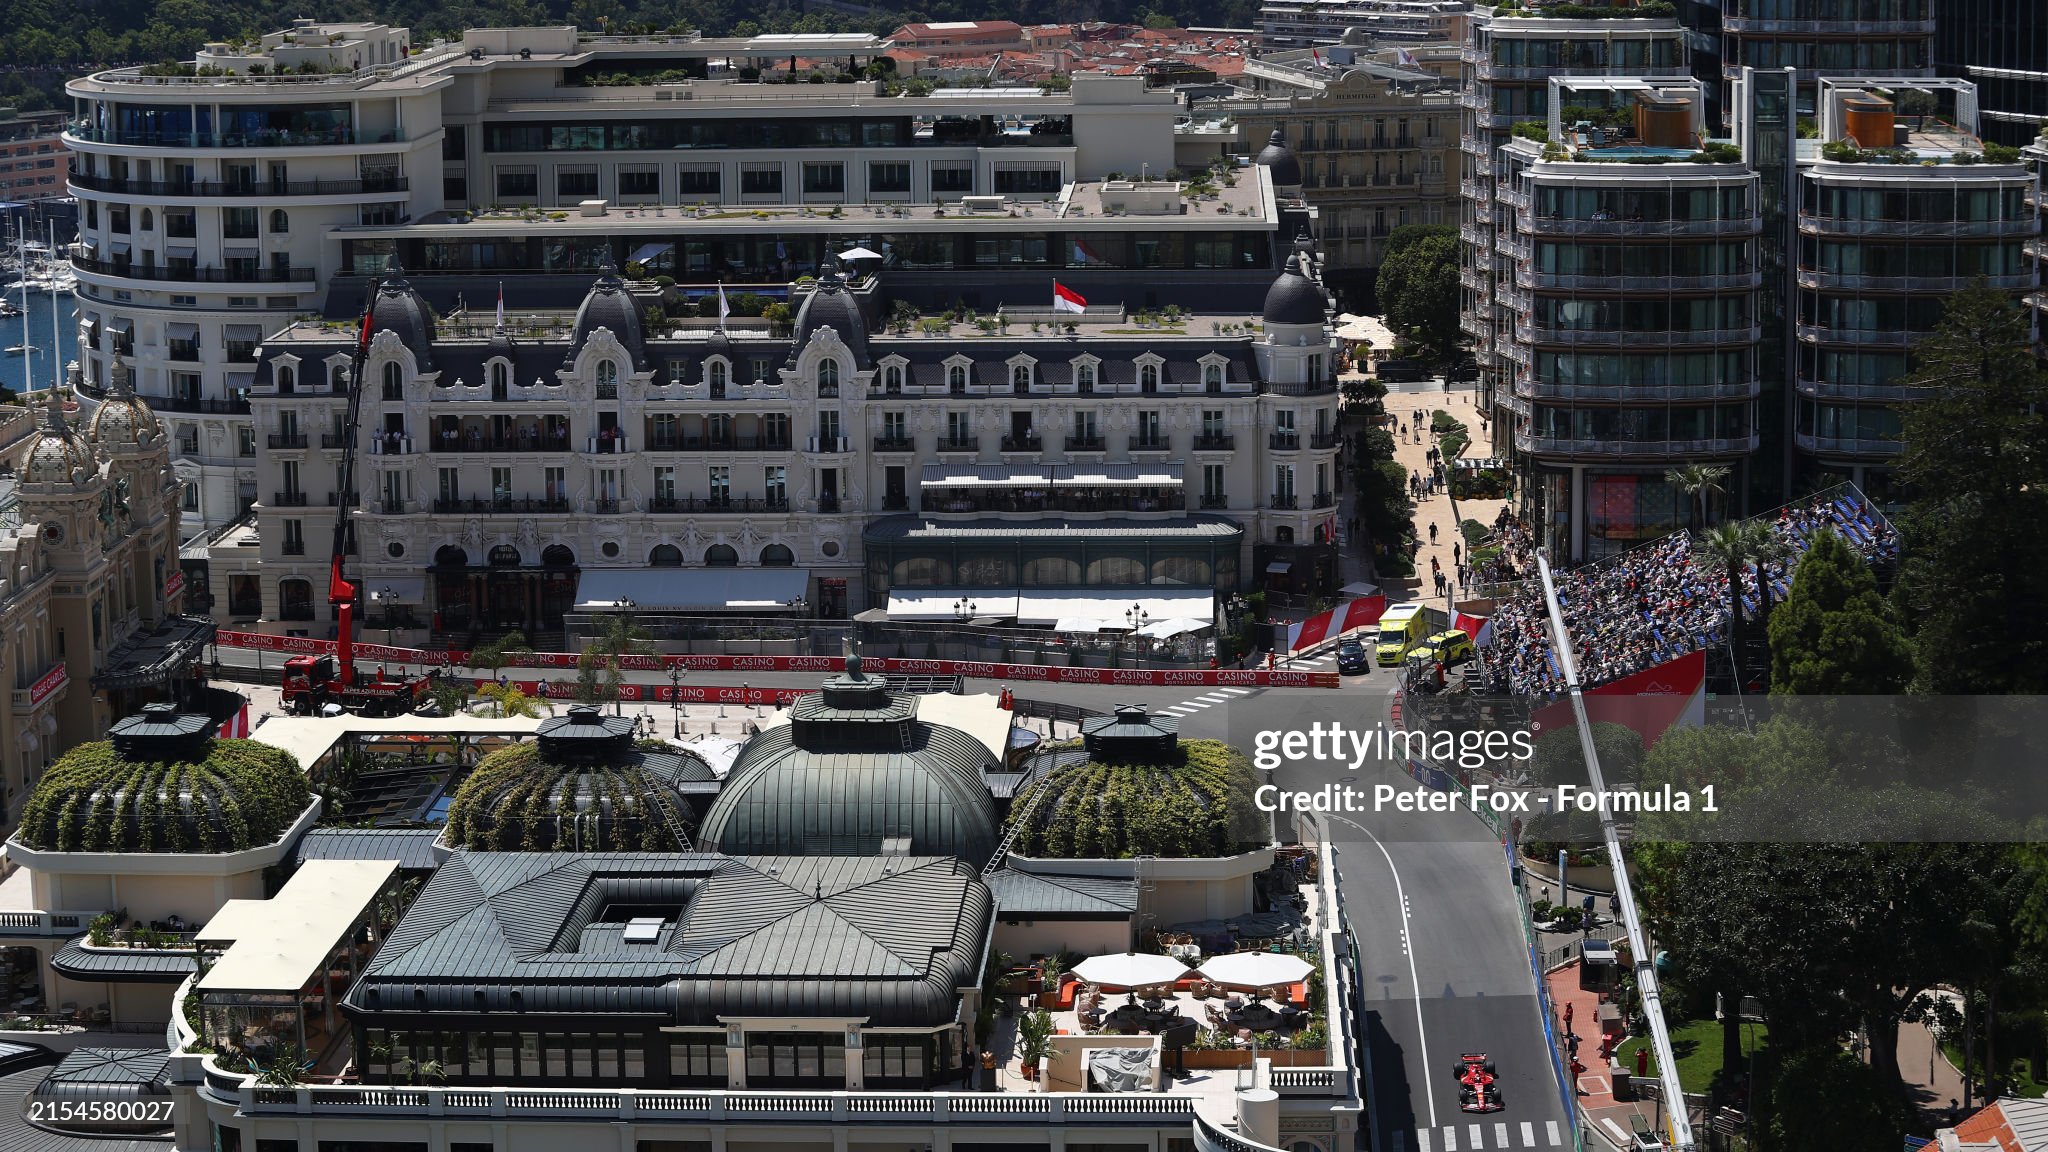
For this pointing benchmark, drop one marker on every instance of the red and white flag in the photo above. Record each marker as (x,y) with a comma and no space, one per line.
(1067,300)
(1479,628)
(236,727)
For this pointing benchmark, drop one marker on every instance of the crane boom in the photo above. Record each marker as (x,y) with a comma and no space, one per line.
(340,593)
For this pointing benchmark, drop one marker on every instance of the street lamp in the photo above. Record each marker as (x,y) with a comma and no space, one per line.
(1137,616)
(964,609)
(387,594)
(626,606)
(675,700)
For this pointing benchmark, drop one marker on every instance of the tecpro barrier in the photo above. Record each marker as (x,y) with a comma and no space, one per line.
(974,669)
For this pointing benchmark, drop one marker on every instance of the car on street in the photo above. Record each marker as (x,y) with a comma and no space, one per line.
(1464,372)
(1353,659)
(1448,647)
(1478,1084)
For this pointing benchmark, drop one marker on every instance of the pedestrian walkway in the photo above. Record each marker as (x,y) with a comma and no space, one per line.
(1448,549)
(1932,1083)
(1202,703)
(1471,1137)
(1599,1109)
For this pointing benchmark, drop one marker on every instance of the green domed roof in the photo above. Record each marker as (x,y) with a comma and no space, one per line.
(522,798)
(852,769)
(230,795)
(1195,803)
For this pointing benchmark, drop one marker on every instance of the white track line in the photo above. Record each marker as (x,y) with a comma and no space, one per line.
(1414,981)
(1550,1129)
(1528,1134)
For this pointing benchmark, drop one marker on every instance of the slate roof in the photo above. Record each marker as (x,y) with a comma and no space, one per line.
(886,939)
(122,965)
(103,1068)
(413,848)
(1022,895)
(20,1137)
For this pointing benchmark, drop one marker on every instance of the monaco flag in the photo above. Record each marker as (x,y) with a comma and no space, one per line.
(1067,300)
(236,727)
(1360,613)
(1650,702)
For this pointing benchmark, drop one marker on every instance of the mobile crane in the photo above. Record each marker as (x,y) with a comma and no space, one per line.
(313,683)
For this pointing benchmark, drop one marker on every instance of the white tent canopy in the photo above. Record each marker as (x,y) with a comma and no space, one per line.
(279,945)
(944,603)
(1256,969)
(1130,970)
(1042,606)
(1173,626)
(859,254)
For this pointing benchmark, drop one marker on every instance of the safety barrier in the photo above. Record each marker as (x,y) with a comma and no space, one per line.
(976,669)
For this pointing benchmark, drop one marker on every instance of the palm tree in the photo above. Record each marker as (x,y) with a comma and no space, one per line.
(1731,547)
(1697,481)
(598,671)
(499,652)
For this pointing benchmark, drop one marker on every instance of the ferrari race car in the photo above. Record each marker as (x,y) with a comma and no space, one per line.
(1478,1084)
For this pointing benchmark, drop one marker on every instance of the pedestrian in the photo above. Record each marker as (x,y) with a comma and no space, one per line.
(1456,552)
(1614,906)
(1567,1016)
(1435,567)
(1432,532)
(1546,894)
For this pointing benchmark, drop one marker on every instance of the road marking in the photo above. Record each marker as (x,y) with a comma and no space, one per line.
(1414,981)
(1550,1129)
(1421,1140)
(1236,691)
(1193,704)
(1621,1138)
(1215,699)
(1528,1134)
(1500,1135)
(1175,710)
(1476,1141)
(1450,1140)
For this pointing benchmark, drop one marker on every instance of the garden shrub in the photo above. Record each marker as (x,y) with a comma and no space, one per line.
(242,794)
(517,801)
(1199,806)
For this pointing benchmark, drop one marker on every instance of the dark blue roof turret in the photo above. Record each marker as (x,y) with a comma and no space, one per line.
(611,307)
(400,311)
(1294,298)
(830,305)
(1280,161)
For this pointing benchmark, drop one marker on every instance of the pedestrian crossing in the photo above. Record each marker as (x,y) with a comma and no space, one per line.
(1478,1137)
(1199,703)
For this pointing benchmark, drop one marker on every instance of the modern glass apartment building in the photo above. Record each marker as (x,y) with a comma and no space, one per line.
(2002,47)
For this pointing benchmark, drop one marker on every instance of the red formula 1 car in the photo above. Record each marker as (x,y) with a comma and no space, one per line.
(1478,1084)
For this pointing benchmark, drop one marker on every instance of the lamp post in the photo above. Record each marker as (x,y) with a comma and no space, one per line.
(964,609)
(626,606)
(386,593)
(675,699)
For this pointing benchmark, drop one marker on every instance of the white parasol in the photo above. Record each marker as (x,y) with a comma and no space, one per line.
(1130,970)
(1256,969)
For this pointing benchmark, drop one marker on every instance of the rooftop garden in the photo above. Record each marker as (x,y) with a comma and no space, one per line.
(1199,806)
(240,795)
(1846,152)
(517,801)
(1651,10)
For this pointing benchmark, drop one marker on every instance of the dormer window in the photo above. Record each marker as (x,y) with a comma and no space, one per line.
(607,374)
(1020,377)
(892,379)
(501,378)
(828,378)
(1148,377)
(394,381)
(956,379)
(1212,377)
(1084,378)
(286,379)
(717,373)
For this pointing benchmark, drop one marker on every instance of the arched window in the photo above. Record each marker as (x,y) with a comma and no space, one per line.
(1212,377)
(286,378)
(665,556)
(501,377)
(294,599)
(1148,377)
(721,556)
(607,374)
(1283,535)
(892,379)
(1020,377)
(557,556)
(337,378)
(1084,377)
(279,222)
(717,371)
(828,377)
(394,380)
(956,378)
(148,220)
(777,556)
(450,556)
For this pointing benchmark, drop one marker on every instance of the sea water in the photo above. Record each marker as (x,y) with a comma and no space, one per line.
(21,373)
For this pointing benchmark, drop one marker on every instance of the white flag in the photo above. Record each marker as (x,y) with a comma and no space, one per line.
(501,303)
(724,309)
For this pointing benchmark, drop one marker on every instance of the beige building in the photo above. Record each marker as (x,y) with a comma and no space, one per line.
(1377,147)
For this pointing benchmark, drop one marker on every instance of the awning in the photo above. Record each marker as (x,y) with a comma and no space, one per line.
(1278,568)
(119,247)
(398,589)
(188,250)
(177,330)
(1077,625)
(1174,626)
(1048,606)
(1059,475)
(648,252)
(985,475)
(1120,476)
(281,944)
(242,331)
(123,325)
(692,589)
(943,603)
(157,655)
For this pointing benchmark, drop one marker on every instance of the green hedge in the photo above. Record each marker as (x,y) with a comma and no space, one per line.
(243,794)
(517,802)
(1200,806)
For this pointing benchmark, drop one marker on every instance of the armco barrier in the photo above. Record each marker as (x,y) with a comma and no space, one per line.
(976,669)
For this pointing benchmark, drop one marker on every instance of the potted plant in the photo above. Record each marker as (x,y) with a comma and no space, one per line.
(1034,1040)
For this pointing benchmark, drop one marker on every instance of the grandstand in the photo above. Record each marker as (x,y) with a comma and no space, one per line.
(1655,603)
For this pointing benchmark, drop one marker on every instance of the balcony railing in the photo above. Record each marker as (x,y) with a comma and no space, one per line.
(895,502)
(1324,500)
(465,444)
(1285,503)
(504,504)
(1890,337)
(1764,25)
(1836,390)
(333,440)
(1215,500)
(1150,444)
(1283,441)
(1847,445)
(295,547)
(895,444)
(959,444)
(216,190)
(1655,393)
(724,444)
(1632,284)
(829,445)
(1083,444)
(608,505)
(1836,226)
(287,439)
(288,499)
(1648,338)
(267,138)
(1322,440)
(1215,442)
(1853,281)
(607,445)
(1605,448)
(1025,443)
(1559,226)
(722,504)
(1166,497)
(128,270)
(380,444)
